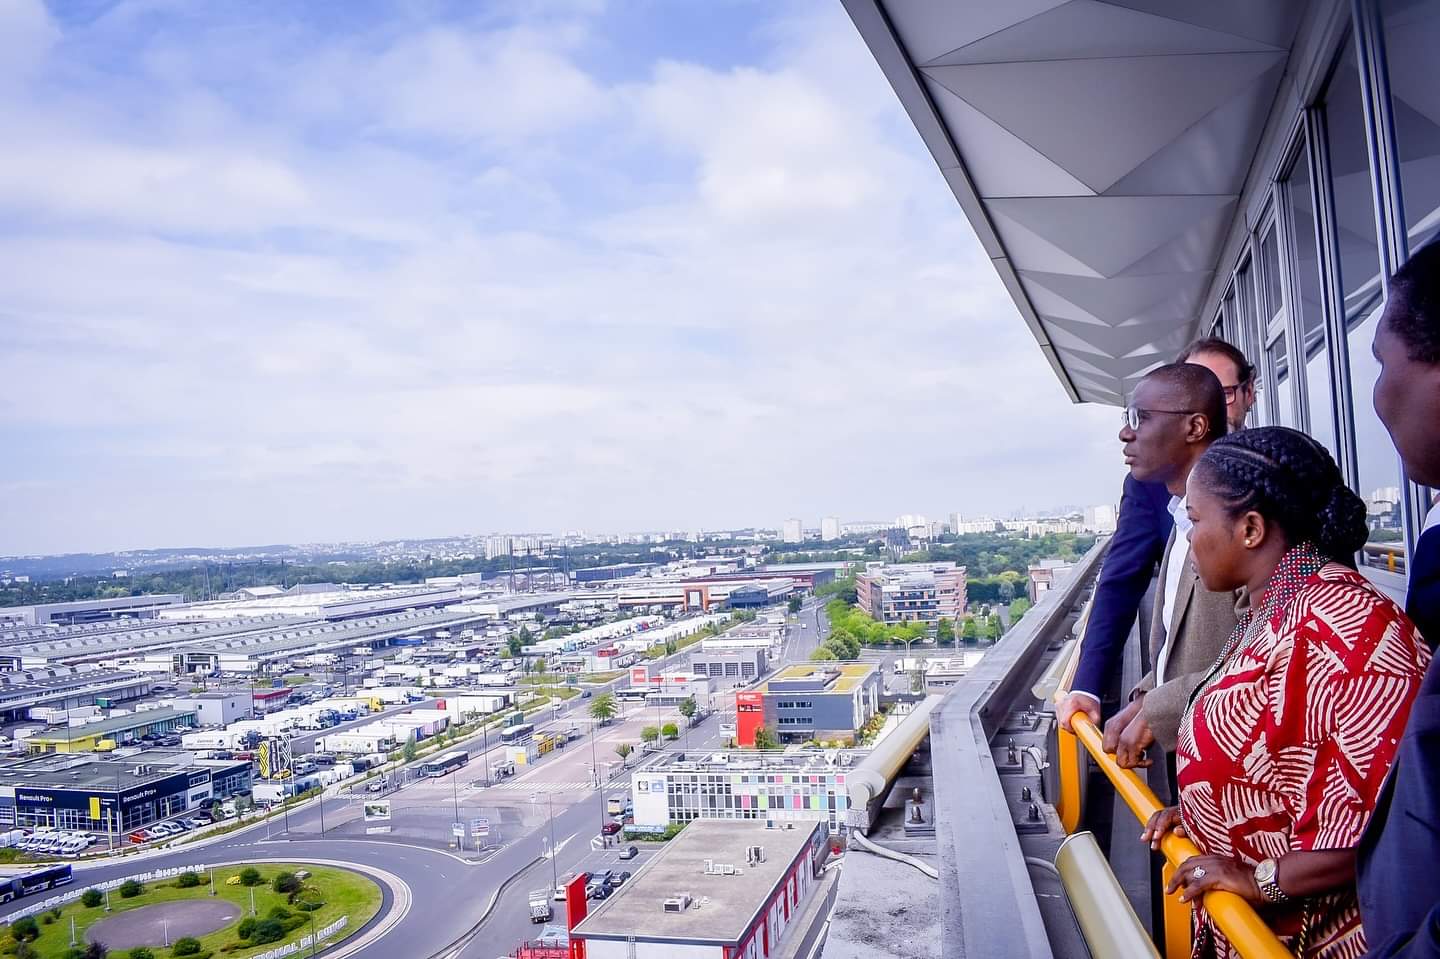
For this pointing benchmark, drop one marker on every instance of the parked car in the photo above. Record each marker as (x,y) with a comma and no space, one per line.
(629,852)
(610,829)
(197,822)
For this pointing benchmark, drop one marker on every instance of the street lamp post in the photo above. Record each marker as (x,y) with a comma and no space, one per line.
(554,853)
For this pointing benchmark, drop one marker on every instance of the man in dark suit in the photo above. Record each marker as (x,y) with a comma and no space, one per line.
(1398,879)
(1141,532)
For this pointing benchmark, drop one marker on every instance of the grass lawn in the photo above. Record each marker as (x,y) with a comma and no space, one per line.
(344,893)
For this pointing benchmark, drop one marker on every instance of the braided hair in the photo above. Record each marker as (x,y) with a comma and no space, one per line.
(1292,481)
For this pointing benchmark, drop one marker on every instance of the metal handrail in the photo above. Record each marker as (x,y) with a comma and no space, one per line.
(1247,932)
(1106,918)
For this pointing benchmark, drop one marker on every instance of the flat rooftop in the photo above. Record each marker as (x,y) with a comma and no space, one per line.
(85,773)
(145,717)
(849,676)
(722,907)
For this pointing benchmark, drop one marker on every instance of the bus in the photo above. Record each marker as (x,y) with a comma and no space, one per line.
(448,763)
(516,734)
(631,694)
(36,880)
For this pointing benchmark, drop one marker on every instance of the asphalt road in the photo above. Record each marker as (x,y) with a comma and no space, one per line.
(452,887)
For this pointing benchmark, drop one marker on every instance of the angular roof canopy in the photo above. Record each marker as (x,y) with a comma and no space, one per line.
(1099,150)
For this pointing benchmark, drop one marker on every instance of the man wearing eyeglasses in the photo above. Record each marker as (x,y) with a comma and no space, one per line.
(1175,413)
(1141,534)
(1236,375)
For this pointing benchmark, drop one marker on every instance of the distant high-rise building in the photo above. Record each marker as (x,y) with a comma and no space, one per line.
(1100,519)
(496,546)
(830,528)
(793,531)
(908,520)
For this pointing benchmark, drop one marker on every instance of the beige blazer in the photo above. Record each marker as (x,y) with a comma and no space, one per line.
(1201,623)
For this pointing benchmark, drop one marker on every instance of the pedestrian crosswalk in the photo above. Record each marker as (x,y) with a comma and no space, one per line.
(543,788)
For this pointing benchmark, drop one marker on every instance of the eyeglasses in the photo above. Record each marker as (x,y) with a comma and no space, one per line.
(1135,415)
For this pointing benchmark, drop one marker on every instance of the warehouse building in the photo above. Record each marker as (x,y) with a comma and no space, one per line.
(217,708)
(91,610)
(115,731)
(63,687)
(719,890)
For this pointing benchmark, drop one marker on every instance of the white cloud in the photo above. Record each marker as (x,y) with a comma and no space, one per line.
(447,280)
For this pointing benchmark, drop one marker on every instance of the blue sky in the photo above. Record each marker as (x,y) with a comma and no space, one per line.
(301,272)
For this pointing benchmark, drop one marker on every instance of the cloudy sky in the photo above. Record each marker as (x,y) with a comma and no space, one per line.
(298,272)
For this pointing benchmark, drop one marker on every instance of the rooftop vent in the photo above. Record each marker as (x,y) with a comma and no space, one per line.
(678,904)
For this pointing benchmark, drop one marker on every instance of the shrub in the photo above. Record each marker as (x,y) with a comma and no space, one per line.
(48,919)
(129,889)
(278,912)
(74,952)
(25,929)
(246,929)
(92,898)
(267,930)
(186,946)
(187,880)
(141,952)
(250,876)
(97,950)
(286,882)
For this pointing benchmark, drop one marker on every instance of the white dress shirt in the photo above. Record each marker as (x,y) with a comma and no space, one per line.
(1179,556)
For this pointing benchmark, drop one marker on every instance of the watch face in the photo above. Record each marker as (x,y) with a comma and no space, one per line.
(1265,872)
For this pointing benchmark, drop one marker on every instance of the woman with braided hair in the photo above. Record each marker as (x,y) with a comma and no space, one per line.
(1286,742)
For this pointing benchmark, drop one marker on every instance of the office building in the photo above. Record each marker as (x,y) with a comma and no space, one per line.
(830,528)
(912,592)
(823,701)
(1046,575)
(736,784)
(216,708)
(793,533)
(719,890)
(1100,519)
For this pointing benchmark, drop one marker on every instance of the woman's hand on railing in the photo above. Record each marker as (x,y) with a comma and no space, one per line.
(1163,821)
(1201,874)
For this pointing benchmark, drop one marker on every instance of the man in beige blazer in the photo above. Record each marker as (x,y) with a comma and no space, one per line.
(1175,413)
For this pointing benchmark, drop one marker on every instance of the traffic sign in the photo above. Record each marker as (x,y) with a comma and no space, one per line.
(480,827)
(457,829)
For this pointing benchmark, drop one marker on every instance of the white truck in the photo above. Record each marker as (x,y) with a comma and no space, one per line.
(540,905)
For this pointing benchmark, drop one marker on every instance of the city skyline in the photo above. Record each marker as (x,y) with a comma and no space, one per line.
(397,275)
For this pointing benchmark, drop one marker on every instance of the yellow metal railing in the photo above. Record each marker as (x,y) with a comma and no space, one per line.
(1251,937)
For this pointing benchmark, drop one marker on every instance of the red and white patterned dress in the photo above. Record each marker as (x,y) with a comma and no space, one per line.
(1286,745)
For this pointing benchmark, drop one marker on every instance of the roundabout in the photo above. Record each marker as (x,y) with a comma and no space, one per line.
(165,921)
(240,910)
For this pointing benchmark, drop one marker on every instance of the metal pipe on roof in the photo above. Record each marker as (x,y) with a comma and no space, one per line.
(1104,914)
(867,784)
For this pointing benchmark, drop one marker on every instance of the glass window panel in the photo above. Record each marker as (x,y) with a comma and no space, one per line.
(1270,269)
(1412,32)
(1308,307)
(1280,372)
(1378,479)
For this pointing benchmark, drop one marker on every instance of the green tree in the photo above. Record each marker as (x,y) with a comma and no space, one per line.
(688,708)
(267,930)
(97,950)
(513,645)
(794,604)
(187,880)
(186,946)
(25,929)
(92,898)
(824,654)
(944,632)
(623,750)
(970,631)
(217,811)
(604,708)
(250,876)
(670,731)
(649,734)
(1018,608)
(540,665)
(141,952)
(285,883)
(765,739)
(410,750)
(130,888)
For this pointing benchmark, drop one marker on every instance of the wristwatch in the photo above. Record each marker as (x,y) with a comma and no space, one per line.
(1267,873)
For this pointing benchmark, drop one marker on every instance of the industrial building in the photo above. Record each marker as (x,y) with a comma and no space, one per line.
(110,794)
(727,667)
(719,890)
(909,593)
(736,784)
(217,708)
(603,574)
(65,687)
(111,732)
(91,610)
(822,701)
